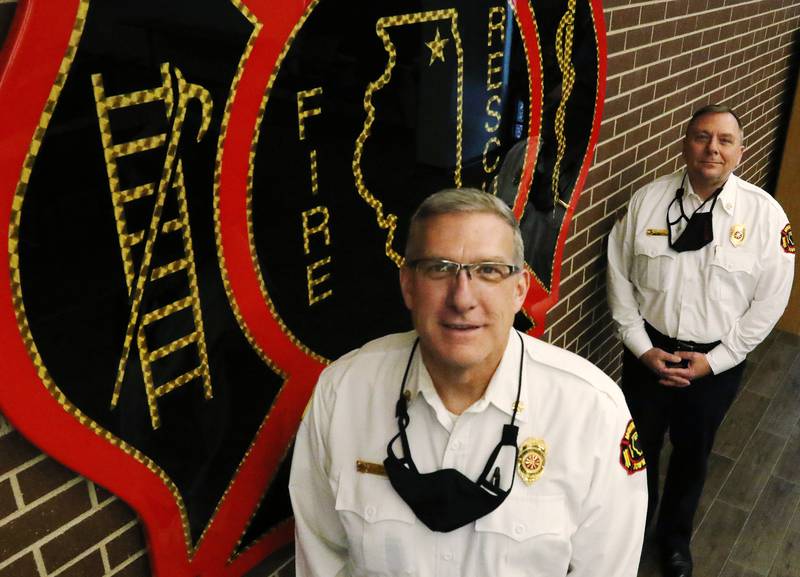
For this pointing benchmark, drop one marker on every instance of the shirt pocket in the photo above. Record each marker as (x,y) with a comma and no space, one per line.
(654,264)
(732,274)
(528,536)
(378,523)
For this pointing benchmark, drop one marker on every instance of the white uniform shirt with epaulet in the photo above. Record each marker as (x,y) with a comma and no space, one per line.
(732,290)
(584,514)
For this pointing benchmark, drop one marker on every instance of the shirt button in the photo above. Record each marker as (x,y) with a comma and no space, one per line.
(369,512)
(447,556)
(456,445)
(519,529)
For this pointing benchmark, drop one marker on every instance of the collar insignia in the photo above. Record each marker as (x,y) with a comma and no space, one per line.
(531,460)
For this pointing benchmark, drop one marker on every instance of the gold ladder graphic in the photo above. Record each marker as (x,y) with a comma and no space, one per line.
(171,182)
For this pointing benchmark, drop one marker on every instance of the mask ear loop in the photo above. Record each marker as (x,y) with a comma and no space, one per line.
(679,199)
(682,216)
(401,413)
(508,437)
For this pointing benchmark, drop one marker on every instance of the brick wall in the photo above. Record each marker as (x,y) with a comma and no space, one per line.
(665,59)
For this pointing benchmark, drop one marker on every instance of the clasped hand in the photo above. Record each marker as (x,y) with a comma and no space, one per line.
(656,360)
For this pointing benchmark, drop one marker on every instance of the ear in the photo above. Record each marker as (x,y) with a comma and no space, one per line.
(739,157)
(523,282)
(406,286)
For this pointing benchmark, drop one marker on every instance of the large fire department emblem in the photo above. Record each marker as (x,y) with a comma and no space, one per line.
(206,202)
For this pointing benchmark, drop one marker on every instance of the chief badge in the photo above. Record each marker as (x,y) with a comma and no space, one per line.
(531,460)
(787,242)
(737,234)
(631,456)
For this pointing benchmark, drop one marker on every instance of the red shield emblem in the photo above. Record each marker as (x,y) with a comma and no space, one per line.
(207,201)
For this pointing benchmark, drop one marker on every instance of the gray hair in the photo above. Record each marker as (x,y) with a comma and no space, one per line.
(464,200)
(715,109)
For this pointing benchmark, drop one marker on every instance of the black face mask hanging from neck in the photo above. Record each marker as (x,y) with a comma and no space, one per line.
(445,500)
(699,230)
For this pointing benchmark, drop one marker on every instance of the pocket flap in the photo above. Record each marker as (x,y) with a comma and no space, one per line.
(734,260)
(372,498)
(652,247)
(521,519)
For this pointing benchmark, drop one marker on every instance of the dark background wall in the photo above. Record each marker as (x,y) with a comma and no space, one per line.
(665,58)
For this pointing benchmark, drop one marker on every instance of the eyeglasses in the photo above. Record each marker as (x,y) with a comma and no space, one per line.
(440,269)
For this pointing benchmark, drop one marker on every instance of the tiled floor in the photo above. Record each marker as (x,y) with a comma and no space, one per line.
(748,524)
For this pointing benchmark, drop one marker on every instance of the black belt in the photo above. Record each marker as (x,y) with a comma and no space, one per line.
(671,345)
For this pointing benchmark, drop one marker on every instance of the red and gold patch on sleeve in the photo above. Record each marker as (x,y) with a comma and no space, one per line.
(787,242)
(631,456)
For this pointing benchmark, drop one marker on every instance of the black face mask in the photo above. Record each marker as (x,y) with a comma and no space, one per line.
(699,229)
(446,499)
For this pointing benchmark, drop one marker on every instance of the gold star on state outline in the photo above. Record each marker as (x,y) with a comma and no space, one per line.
(437,47)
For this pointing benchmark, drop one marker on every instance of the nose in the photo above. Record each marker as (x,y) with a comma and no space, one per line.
(713,145)
(461,296)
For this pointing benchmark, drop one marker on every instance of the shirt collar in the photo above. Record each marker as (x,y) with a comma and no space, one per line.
(501,391)
(726,198)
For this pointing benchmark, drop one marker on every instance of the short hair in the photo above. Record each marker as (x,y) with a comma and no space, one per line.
(715,109)
(464,200)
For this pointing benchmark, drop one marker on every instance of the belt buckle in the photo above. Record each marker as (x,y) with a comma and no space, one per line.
(685,346)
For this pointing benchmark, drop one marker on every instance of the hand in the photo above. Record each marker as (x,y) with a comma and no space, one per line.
(655,359)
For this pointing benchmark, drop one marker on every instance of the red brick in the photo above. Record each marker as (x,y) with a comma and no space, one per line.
(41,478)
(22,567)
(657,72)
(643,96)
(691,42)
(42,520)
(647,56)
(610,149)
(677,8)
(619,63)
(138,568)
(623,161)
(654,12)
(587,218)
(654,109)
(699,57)
(616,106)
(15,451)
(629,120)
(636,136)
(670,48)
(633,80)
(625,18)
(89,566)
(615,42)
(646,148)
(7,502)
(85,534)
(638,37)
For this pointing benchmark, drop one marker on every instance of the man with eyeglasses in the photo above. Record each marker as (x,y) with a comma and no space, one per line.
(699,272)
(465,448)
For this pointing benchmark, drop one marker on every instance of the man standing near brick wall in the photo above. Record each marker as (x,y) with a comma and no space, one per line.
(699,272)
(465,448)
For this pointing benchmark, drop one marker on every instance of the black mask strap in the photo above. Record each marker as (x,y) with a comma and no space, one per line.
(508,438)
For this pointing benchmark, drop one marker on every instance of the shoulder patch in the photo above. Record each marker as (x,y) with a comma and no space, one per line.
(631,456)
(787,242)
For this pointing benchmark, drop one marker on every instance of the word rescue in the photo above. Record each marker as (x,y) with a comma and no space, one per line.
(494,84)
(314,221)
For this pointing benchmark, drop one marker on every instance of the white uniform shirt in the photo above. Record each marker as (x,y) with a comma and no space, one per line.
(584,516)
(727,291)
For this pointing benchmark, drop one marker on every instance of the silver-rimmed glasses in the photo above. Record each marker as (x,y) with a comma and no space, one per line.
(440,269)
